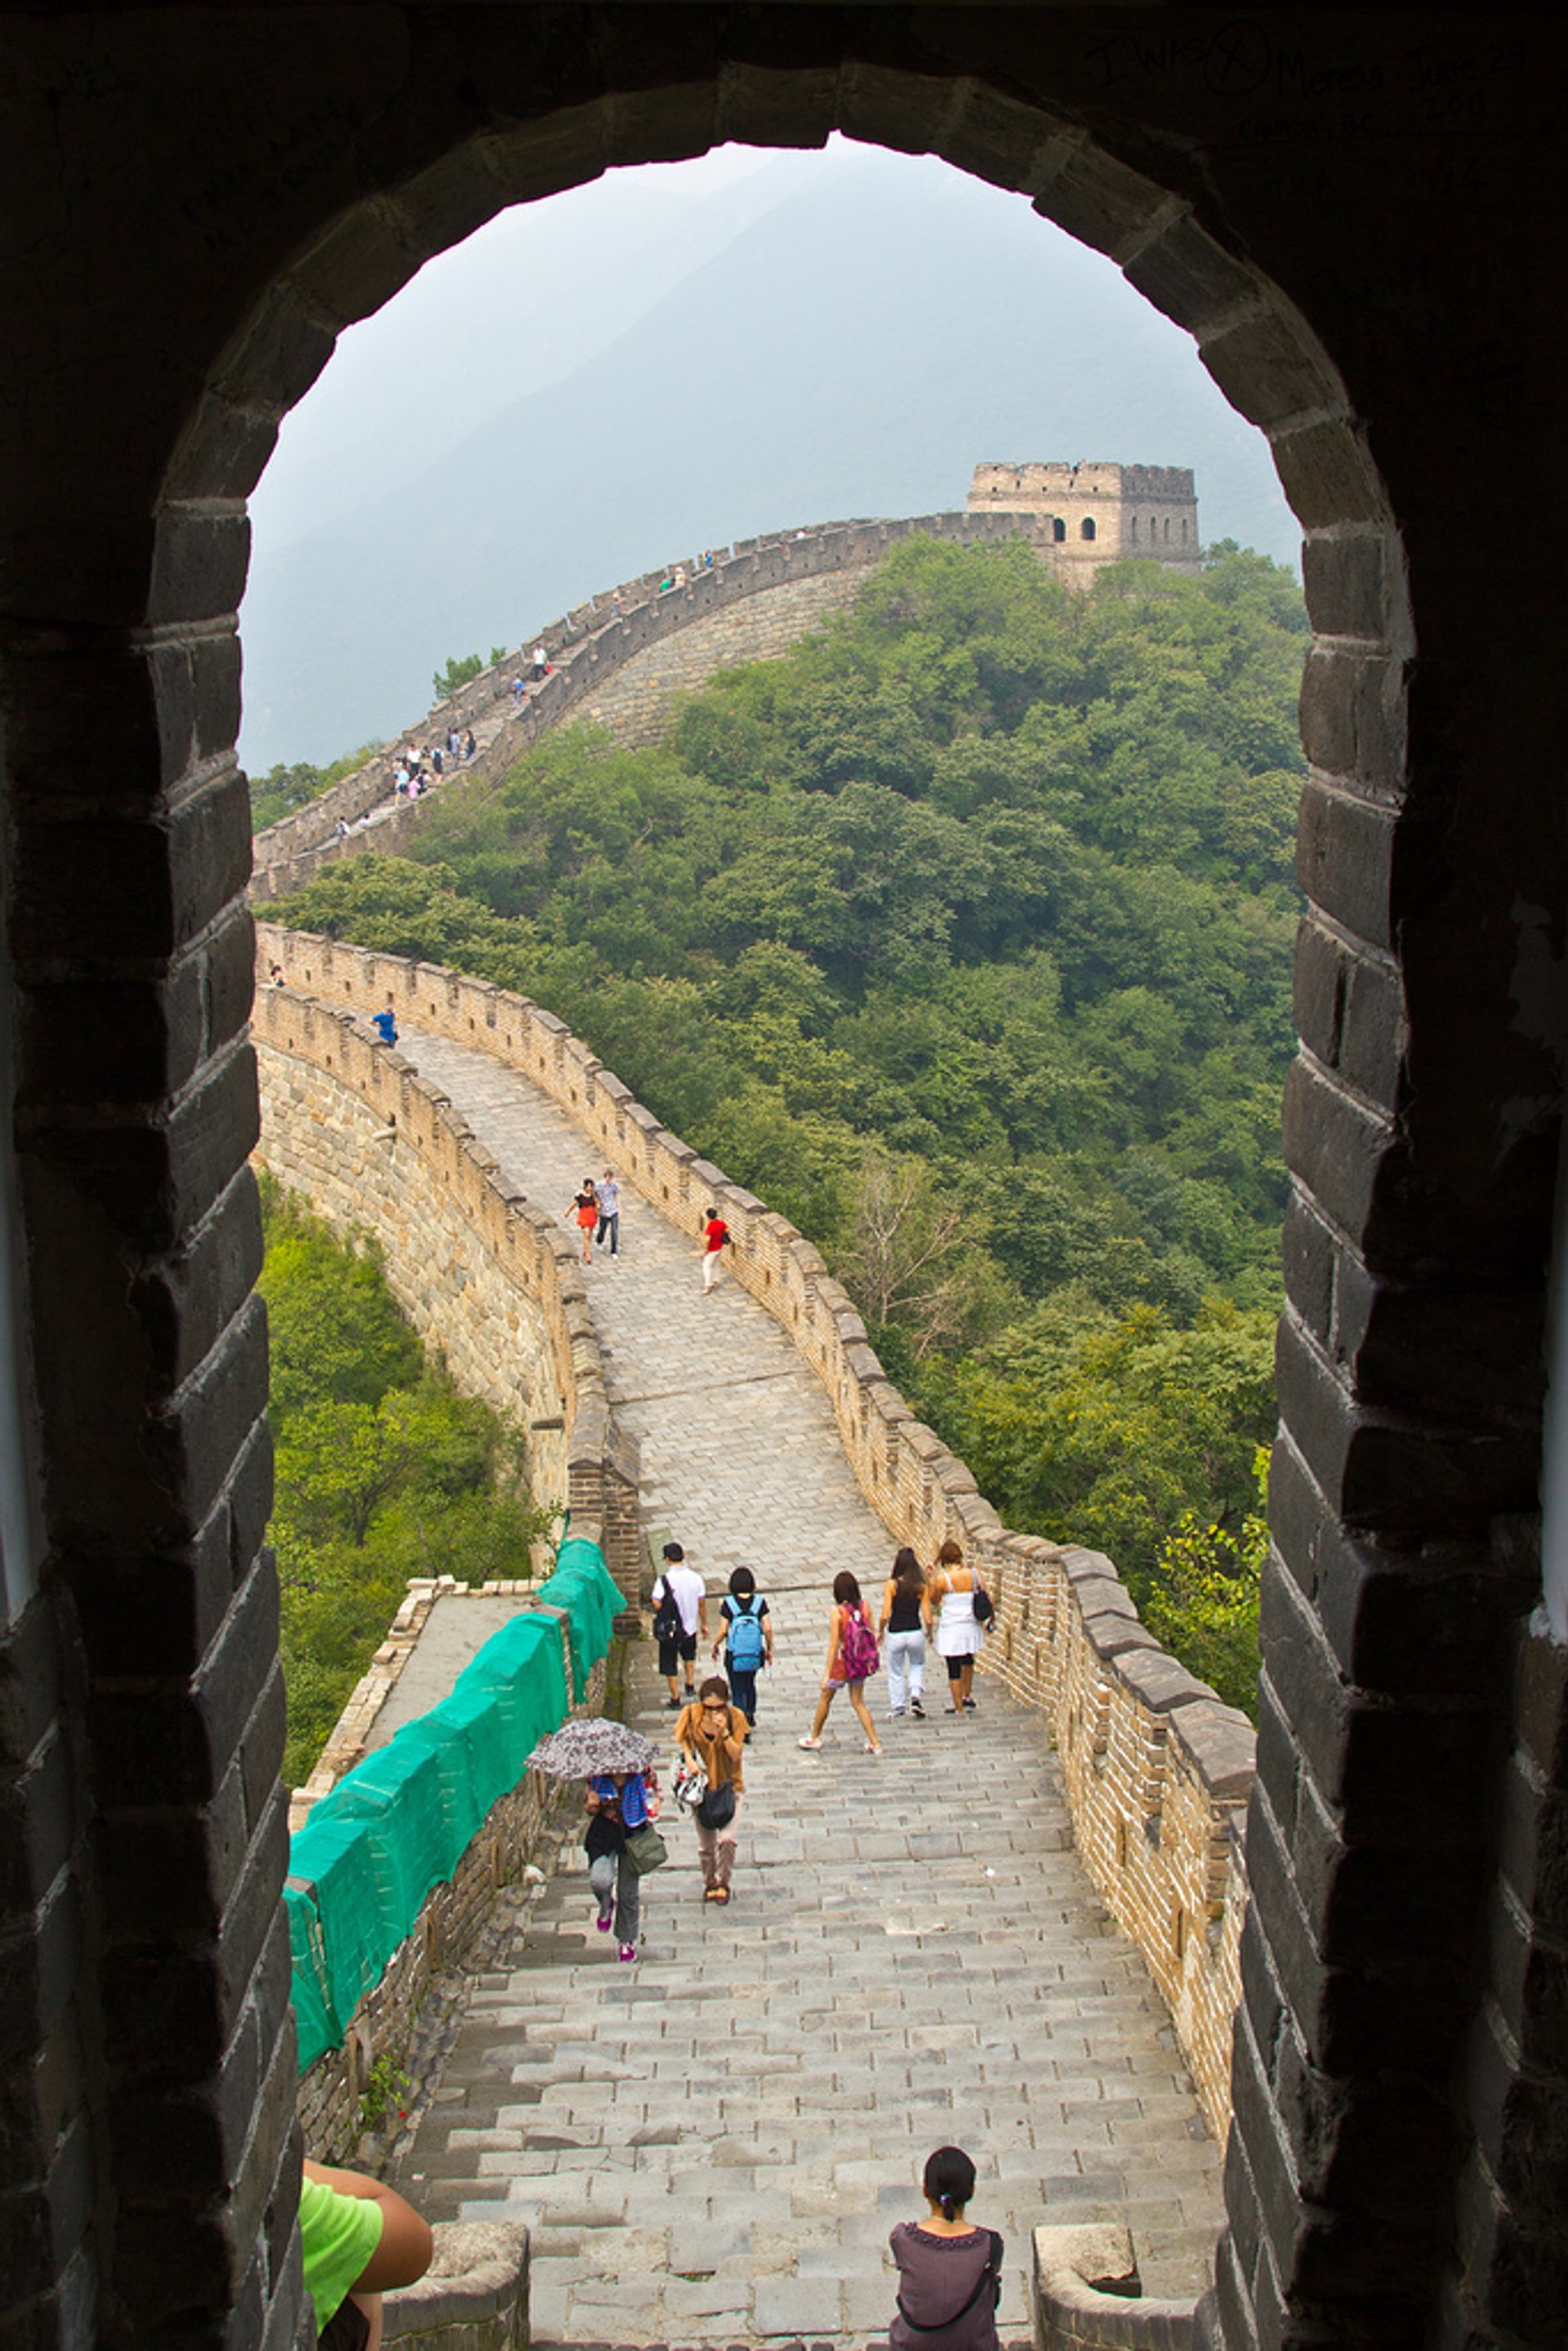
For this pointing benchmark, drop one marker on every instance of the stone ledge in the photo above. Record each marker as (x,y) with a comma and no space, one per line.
(1087,2296)
(478,2281)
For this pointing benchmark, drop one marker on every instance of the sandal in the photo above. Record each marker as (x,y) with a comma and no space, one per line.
(713,1894)
(719,1894)
(872,1748)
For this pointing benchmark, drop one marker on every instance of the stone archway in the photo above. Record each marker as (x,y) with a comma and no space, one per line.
(329,153)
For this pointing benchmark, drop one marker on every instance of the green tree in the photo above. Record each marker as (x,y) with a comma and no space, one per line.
(1204,1596)
(459,669)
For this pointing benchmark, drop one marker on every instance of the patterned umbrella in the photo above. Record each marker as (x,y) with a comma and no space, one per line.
(578,1749)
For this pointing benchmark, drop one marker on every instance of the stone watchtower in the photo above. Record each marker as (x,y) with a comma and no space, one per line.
(1099,513)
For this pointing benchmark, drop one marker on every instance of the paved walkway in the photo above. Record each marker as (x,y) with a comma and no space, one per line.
(712,2144)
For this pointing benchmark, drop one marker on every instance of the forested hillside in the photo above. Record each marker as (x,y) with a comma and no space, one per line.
(383,1471)
(962,936)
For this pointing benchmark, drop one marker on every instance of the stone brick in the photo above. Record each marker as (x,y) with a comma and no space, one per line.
(186,1301)
(1328,475)
(199,564)
(1184,273)
(1334,1145)
(1352,716)
(37,1972)
(1534,1848)
(195,1442)
(1354,584)
(112,1041)
(1308,1250)
(1343,853)
(1378,1762)
(38,1825)
(1268,367)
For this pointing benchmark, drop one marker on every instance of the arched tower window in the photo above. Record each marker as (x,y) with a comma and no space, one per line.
(1057,530)
(1167,529)
(1086,528)
(1135,530)
(1184,527)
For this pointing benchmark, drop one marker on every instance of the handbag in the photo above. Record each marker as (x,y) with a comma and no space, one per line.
(689,1786)
(716,1809)
(645,1849)
(983,1606)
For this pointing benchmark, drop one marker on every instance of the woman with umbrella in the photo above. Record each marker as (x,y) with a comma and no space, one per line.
(622,1799)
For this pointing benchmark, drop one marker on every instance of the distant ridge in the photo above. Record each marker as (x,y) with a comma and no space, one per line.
(763,388)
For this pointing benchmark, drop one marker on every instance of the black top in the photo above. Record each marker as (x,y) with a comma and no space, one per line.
(904,1616)
(945,2303)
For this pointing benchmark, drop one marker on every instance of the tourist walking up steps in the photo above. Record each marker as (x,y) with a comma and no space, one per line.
(618,1802)
(715,1240)
(958,1635)
(904,1622)
(584,1209)
(950,2272)
(746,1640)
(851,1660)
(680,1616)
(608,1193)
(711,1735)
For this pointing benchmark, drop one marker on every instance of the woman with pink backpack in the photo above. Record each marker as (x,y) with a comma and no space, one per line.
(851,1660)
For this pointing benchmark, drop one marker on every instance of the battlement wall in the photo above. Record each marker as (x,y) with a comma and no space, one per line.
(1157,1771)
(758,598)
(482,1273)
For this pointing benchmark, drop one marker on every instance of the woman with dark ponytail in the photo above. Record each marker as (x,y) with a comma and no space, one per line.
(950,2272)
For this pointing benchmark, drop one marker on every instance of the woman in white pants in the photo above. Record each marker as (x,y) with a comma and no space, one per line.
(906,1622)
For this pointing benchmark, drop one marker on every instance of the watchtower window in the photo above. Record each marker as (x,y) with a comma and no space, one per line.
(1167,528)
(1134,529)
(1057,530)
(1087,526)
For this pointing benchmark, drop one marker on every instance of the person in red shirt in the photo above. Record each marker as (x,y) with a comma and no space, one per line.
(715,1239)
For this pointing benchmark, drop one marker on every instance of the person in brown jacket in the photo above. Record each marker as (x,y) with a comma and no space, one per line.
(711,1734)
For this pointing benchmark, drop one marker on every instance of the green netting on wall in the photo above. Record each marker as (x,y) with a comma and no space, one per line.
(584,1587)
(400,1822)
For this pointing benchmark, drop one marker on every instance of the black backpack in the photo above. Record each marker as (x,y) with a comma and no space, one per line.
(667,1625)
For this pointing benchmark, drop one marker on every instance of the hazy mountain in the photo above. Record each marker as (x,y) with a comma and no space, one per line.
(855,350)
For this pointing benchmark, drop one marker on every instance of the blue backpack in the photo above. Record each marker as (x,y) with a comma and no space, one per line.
(745,1644)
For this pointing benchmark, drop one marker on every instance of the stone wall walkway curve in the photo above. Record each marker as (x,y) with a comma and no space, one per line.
(711,2144)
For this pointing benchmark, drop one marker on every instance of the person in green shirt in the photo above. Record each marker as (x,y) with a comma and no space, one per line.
(359,2236)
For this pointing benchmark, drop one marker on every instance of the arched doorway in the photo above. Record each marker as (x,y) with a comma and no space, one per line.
(325,158)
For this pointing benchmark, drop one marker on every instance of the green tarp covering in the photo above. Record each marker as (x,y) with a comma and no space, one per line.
(584,1587)
(400,1822)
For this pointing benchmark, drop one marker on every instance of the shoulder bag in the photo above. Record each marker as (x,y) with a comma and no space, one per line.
(645,1849)
(716,1809)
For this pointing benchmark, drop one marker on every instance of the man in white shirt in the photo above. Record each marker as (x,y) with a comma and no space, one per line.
(609,1192)
(680,1617)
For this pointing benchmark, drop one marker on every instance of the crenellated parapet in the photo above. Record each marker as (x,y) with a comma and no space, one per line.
(622,657)
(1157,1771)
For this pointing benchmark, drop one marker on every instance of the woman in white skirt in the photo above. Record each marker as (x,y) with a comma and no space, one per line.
(958,1637)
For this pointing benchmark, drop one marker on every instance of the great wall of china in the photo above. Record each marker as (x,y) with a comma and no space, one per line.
(623,657)
(1155,1772)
